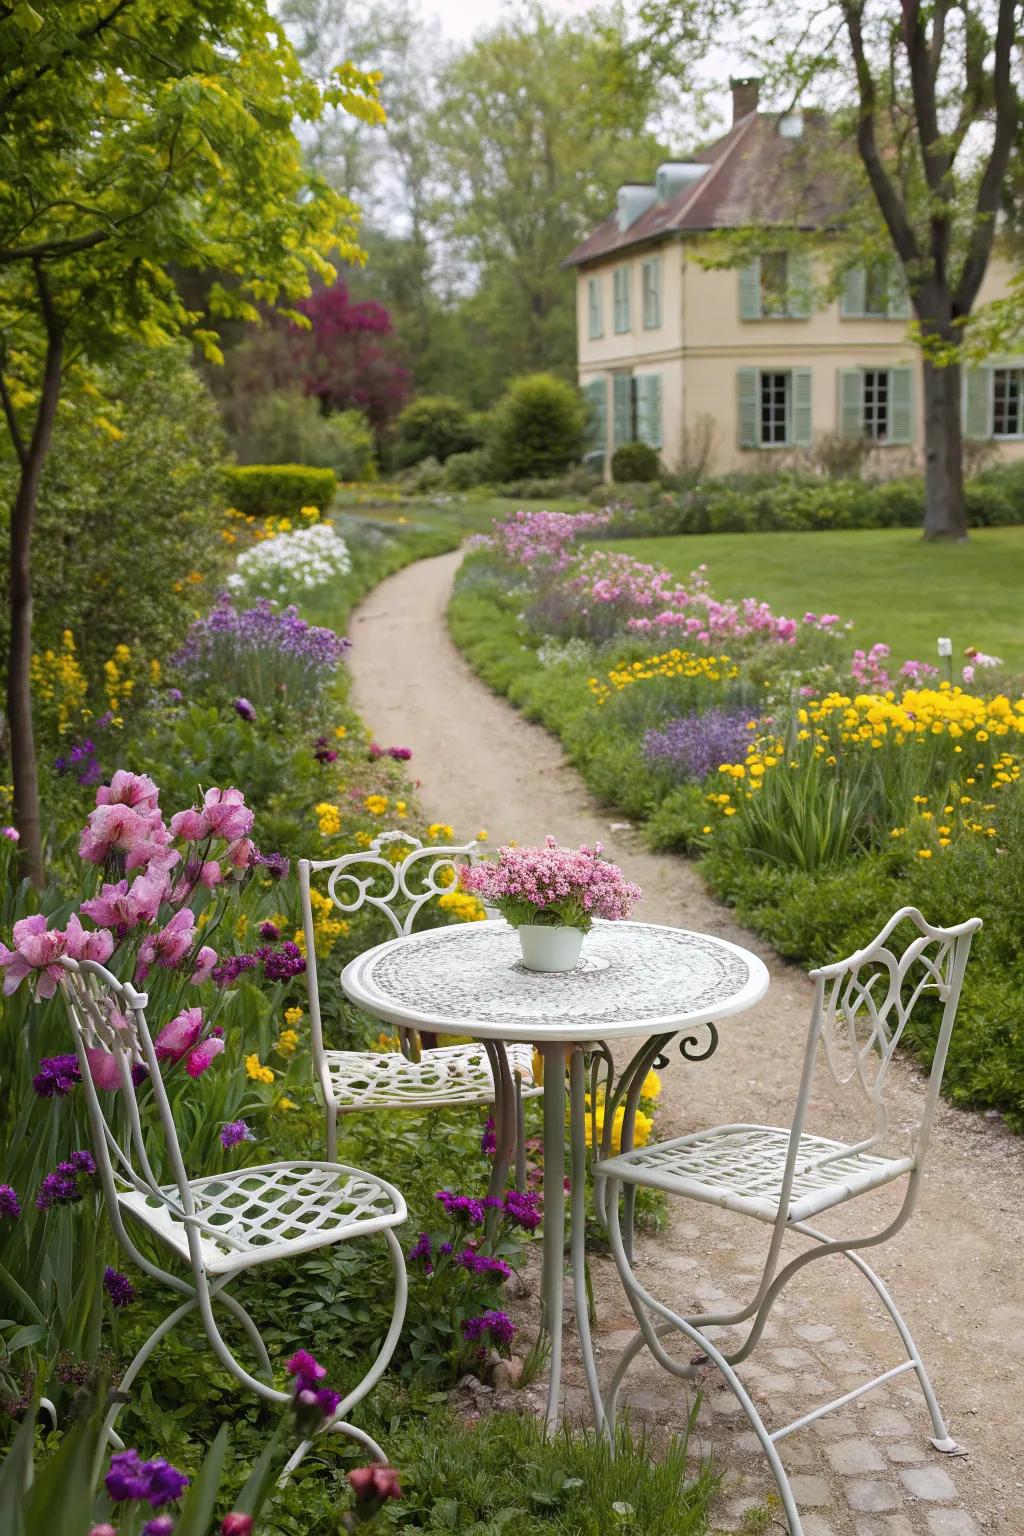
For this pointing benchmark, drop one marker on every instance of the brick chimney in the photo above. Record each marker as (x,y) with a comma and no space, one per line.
(745,92)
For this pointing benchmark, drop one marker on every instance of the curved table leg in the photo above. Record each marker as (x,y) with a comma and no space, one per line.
(578,1208)
(554,1219)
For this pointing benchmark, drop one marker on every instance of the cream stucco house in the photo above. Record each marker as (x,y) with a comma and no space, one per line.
(731,363)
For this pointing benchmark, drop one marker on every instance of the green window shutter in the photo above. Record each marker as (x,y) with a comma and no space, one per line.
(648,408)
(652,293)
(750,290)
(800,400)
(596,396)
(622,409)
(851,402)
(748,389)
(621,280)
(899,307)
(851,300)
(901,405)
(977,403)
(595,319)
(798,286)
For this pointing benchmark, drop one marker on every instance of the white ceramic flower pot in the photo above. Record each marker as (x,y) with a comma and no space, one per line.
(550,949)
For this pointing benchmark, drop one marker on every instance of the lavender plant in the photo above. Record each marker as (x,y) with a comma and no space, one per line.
(261,655)
(692,746)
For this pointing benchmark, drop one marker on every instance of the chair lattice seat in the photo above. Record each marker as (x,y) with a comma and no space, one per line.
(455,1074)
(741,1168)
(255,1215)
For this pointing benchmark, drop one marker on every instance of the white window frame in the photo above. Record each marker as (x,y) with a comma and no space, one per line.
(621,296)
(787,404)
(870,402)
(651,286)
(1018,369)
(595,309)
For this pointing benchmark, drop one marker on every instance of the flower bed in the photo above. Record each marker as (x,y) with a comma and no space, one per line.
(840,793)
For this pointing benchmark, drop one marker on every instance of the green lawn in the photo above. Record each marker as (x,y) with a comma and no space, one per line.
(894,587)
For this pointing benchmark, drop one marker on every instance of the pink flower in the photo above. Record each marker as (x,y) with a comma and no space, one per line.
(103,1068)
(187,825)
(11,833)
(134,789)
(211,874)
(239,855)
(118,828)
(168,947)
(36,949)
(203,1056)
(80,944)
(205,962)
(225,814)
(179,1037)
(116,908)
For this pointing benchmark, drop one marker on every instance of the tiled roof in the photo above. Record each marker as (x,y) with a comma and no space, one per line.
(756,176)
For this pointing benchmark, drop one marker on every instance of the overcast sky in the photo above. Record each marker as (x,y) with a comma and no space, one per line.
(461,18)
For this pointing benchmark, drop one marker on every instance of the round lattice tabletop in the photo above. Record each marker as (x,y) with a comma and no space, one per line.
(632,978)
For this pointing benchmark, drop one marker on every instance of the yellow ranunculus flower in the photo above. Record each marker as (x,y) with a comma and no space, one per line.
(255,1069)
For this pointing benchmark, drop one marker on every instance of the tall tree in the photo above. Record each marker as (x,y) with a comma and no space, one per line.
(539,121)
(933,108)
(140,135)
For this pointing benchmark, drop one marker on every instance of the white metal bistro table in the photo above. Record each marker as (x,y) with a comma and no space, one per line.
(635,981)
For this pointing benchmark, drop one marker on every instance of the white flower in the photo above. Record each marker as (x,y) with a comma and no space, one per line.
(307,558)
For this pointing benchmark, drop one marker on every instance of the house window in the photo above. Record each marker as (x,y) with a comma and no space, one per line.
(774,284)
(775,409)
(652,293)
(875,404)
(1008,402)
(595,319)
(620,295)
(877,285)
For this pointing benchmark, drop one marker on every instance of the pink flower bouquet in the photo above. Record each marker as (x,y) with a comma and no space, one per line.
(552,887)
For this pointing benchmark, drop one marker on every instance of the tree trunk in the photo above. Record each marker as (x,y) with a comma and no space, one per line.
(19,665)
(945,513)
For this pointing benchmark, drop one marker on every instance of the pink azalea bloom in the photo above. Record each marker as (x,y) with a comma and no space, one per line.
(187,825)
(103,1068)
(168,947)
(205,962)
(80,944)
(203,1056)
(179,1037)
(134,789)
(36,949)
(225,814)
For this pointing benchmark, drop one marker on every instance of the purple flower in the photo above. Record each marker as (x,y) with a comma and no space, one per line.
(523,1210)
(160,1525)
(282,964)
(11,833)
(62,1186)
(243,708)
(175,695)
(307,1370)
(421,1252)
(269,931)
(494,1325)
(482,1264)
(232,967)
(323,751)
(118,1287)
(462,1208)
(10,1205)
(57,1075)
(234,1132)
(155,1481)
(489,1140)
(276,865)
(693,746)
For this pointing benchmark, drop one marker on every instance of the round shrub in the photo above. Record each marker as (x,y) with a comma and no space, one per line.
(433,427)
(464,470)
(988,505)
(538,428)
(278,490)
(635,461)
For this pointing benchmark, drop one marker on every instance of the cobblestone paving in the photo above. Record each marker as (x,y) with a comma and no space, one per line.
(955,1271)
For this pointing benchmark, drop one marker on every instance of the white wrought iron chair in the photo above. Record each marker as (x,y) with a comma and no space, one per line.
(411,1077)
(222,1224)
(787,1177)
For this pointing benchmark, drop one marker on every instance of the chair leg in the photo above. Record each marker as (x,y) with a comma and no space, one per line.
(255,1338)
(520,1136)
(942,1439)
(160,1332)
(332,1130)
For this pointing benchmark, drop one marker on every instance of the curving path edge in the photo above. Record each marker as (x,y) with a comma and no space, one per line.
(955,1271)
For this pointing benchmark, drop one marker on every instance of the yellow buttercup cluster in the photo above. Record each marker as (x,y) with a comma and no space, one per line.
(462,906)
(440,831)
(668,664)
(376,804)
(328,818)
(59,682)
(287,1042)
(327,925)
(255,1069)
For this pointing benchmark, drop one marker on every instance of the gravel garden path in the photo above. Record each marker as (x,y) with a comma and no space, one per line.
(956,1270)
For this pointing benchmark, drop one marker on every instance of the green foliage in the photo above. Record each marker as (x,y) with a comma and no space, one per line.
(433,427)
(635,461)
(290,428)
(465,470)
(278,490)
(129,508)
(538,427)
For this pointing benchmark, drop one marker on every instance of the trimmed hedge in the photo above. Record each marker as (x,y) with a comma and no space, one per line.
(635,461)
(278,490)
(795,503)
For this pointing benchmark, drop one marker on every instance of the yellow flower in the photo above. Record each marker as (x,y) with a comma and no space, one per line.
(283,1103)
(328,818)
(287,1042)
(481,836)
(256,1070)
(439,829)
(376,804)
(363,839)
(462,906)
(340,732)
(924,853)
(651,1086)
(293,1016)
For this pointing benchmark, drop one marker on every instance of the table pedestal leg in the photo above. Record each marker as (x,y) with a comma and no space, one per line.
(578,1207)
(554,1218)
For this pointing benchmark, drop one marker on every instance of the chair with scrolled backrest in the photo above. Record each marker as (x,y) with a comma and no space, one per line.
(412,1077)
(787,1177)
(216,1225)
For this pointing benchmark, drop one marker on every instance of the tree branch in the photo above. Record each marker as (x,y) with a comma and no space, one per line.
(98,26)
(888,199)
(21,452)
(1008,118)
(48,249)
